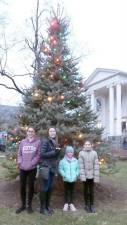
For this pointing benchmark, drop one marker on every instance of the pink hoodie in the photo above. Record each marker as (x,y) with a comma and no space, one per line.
(28,154)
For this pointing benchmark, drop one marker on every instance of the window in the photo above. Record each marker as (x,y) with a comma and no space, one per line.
(98,104)
(123,126)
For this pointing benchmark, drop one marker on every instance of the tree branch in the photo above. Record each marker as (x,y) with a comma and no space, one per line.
(16,88)
(12,88)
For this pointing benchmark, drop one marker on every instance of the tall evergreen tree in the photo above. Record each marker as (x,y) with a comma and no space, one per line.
(57,97)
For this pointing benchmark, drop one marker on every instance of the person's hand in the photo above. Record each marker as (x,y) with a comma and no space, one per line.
(58,148)
(18,165)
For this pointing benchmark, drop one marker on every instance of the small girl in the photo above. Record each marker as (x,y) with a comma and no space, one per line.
(89,174)
(69,170)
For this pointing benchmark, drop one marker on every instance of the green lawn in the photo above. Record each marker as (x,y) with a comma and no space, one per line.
(109,212)
(2,170)
(107,215)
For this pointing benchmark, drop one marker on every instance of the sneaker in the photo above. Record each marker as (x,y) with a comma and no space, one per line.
(72,207)
(65,208)
(22,208)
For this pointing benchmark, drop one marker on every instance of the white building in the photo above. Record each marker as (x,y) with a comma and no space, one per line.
(107,89)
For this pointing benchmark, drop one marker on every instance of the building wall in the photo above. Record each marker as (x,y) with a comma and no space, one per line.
(99,84)
(103,115)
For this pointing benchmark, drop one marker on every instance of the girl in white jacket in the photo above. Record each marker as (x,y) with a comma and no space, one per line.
(89,173)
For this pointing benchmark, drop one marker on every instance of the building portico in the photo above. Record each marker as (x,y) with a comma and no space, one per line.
(107,90)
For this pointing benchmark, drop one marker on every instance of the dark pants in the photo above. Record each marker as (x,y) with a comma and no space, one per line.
(69,192)
(89,191)
(2,148)
(27,176)
(46,191)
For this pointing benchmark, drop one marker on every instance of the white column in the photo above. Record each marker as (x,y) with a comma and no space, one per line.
(111,111)
(92,101)
(118,109)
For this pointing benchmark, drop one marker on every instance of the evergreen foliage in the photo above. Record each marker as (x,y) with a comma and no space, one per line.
(106,159)
(57,96)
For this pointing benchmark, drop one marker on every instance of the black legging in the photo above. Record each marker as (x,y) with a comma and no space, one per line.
(24,175)
(69,192)
(89,191)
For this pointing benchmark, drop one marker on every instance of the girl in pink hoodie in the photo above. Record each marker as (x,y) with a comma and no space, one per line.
(27,159)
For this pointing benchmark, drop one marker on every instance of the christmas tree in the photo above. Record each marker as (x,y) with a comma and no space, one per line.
(57,97)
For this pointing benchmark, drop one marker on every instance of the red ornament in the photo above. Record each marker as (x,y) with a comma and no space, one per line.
(14,131)
(53,40)
(46,50)
(57,61)
(54,25)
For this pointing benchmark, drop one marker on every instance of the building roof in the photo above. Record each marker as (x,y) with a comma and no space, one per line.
(105,74)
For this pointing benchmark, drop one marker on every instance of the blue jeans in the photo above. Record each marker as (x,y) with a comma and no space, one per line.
(46,185)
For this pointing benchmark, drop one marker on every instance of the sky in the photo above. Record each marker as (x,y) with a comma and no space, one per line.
(98,35)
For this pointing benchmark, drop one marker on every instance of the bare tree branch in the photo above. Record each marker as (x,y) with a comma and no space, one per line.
(4,85)
(3,73)
(34,46)
(22,75)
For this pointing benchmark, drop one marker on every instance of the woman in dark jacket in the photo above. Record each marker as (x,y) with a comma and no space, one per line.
(48,167)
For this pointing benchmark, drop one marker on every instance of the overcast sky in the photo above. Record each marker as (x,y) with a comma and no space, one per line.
(98,28)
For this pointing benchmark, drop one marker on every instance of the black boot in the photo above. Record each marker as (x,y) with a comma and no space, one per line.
(19,210)
(29,209)
(48,198)
(30,198)
(87,204)
(23,205)
(87,208)
(43,209)
(29,206)
(92,209)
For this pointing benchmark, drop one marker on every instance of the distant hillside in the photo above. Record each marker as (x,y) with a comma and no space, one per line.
(8,114)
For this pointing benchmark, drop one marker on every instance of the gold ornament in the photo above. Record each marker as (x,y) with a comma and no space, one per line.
(37,95)
(50,98)
(52,76)
(80,135)
(62,97)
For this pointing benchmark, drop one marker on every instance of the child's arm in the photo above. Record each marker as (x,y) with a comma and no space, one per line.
(61,169)
(77,169)
(96,168)
(19,155)
(81,167)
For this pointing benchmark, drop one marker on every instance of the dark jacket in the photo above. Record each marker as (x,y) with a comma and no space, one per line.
(49,155)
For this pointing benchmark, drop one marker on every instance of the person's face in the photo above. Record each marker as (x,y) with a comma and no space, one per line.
(30,132)
(87,146)
(52,133)
(69,154)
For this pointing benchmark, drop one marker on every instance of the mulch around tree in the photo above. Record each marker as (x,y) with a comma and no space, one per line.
(105,192)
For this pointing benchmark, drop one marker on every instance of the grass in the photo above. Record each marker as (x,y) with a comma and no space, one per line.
(109,212)
(120,176)
(105,216)
(2,170)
